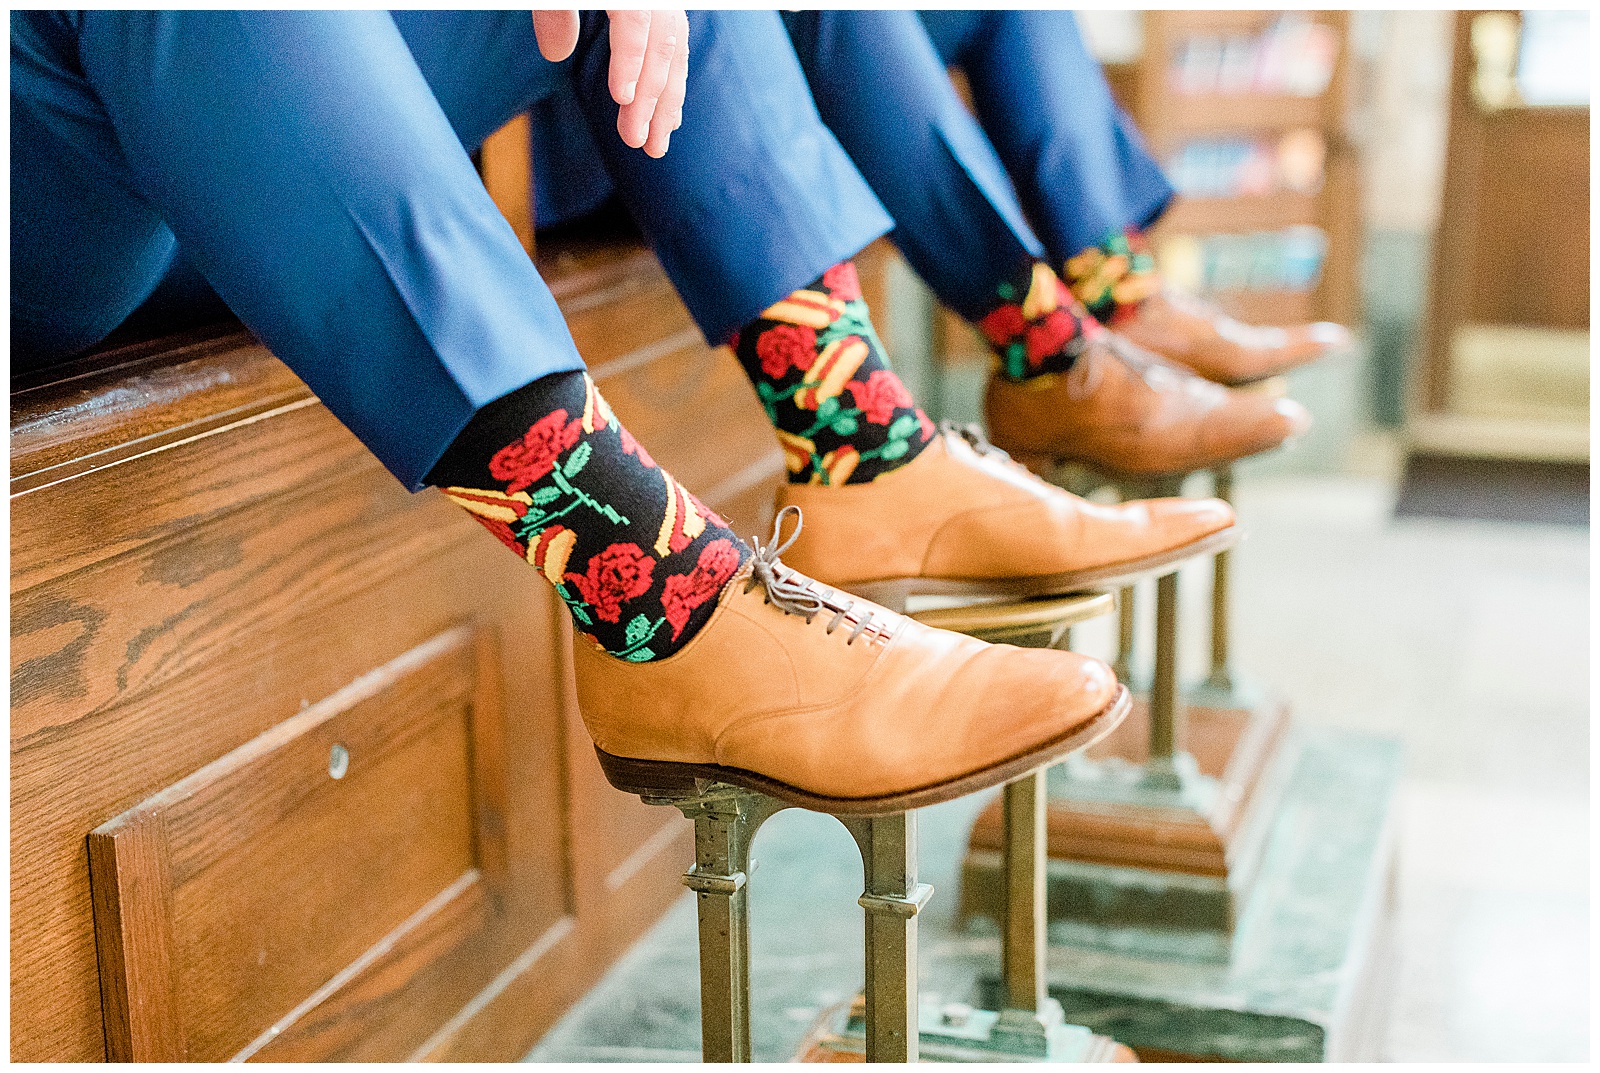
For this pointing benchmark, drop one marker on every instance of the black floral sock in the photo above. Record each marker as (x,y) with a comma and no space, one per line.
(1036,326)
(550,471)
(842,416)
(1114,276)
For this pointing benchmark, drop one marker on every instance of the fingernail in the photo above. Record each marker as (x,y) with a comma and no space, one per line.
(628,91)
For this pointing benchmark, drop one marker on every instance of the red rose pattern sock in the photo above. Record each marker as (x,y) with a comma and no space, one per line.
(1037,327)
(551,472)
(1112,278)
(842,416)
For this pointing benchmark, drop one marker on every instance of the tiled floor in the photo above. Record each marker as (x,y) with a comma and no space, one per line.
(1468,641)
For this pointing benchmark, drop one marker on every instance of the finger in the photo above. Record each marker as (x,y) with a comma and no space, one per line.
(630,36)
(556,32)
(669,109)
(634,120)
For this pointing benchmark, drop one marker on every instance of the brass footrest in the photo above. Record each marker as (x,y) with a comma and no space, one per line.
(885,1027)
(726,819)
(954,1034)
(1038,623)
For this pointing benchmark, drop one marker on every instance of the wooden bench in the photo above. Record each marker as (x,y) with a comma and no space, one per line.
(314,738)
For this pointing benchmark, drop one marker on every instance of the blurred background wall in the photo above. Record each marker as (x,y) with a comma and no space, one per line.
(1311,151)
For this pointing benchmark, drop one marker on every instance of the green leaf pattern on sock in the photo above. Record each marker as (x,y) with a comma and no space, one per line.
(821,375)
(636,558)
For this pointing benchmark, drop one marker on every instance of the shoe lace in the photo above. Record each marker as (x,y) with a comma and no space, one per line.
(973,434)
(1157,375)
(795,594)
(979,442)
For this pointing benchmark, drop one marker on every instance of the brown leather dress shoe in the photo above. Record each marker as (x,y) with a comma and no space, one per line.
(829,702)
(1125,412)
(1200,337)
(962,518)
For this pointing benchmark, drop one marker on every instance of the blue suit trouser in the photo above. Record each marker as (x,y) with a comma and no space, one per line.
(313,167)
(1047,129)
(1049,146)
(880,84)
(884,92)
(1080,167)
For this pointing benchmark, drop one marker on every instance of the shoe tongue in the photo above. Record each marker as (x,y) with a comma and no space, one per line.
(1087,373)
(970,436)
(969,445)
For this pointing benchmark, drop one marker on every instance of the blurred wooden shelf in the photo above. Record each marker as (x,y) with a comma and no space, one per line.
(1170,118)
(1191,114)
(1255,212)
(1267,306)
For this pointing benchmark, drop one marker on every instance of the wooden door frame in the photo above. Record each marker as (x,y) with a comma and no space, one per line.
(1450,289)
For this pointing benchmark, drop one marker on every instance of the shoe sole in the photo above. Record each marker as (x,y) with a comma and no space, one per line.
(894,592)
(665,780)
(1261,378)
(1252,381)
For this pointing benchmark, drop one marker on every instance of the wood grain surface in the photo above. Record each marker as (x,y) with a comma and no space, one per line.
(205,565)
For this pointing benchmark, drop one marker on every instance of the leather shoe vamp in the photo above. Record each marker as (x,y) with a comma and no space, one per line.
(936,708)
(748,660)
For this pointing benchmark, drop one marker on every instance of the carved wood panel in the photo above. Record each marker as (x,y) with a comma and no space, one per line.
(263,887)
(205,564)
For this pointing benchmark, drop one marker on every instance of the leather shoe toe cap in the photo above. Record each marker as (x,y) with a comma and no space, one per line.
(1328,336)
(1185,520)
(1291,418)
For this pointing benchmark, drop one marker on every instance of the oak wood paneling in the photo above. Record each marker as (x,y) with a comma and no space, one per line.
(243,617)
(277,871)
(203,562)
(109,407)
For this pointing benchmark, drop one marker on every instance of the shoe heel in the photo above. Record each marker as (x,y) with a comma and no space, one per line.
(657,780)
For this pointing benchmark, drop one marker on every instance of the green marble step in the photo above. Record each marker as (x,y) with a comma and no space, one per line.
(1164,914)
(1304,977)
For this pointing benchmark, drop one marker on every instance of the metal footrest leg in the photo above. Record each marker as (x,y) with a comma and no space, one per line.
(892,898)
(1022,931)
(1222,688)
(1169,769)
(1164,680)
(1126,607)
(1221,675)
(725,823)
(1029,1017)
(1029,1026)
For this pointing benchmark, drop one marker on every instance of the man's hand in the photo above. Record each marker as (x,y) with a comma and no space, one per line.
(649,68)
(556,32)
